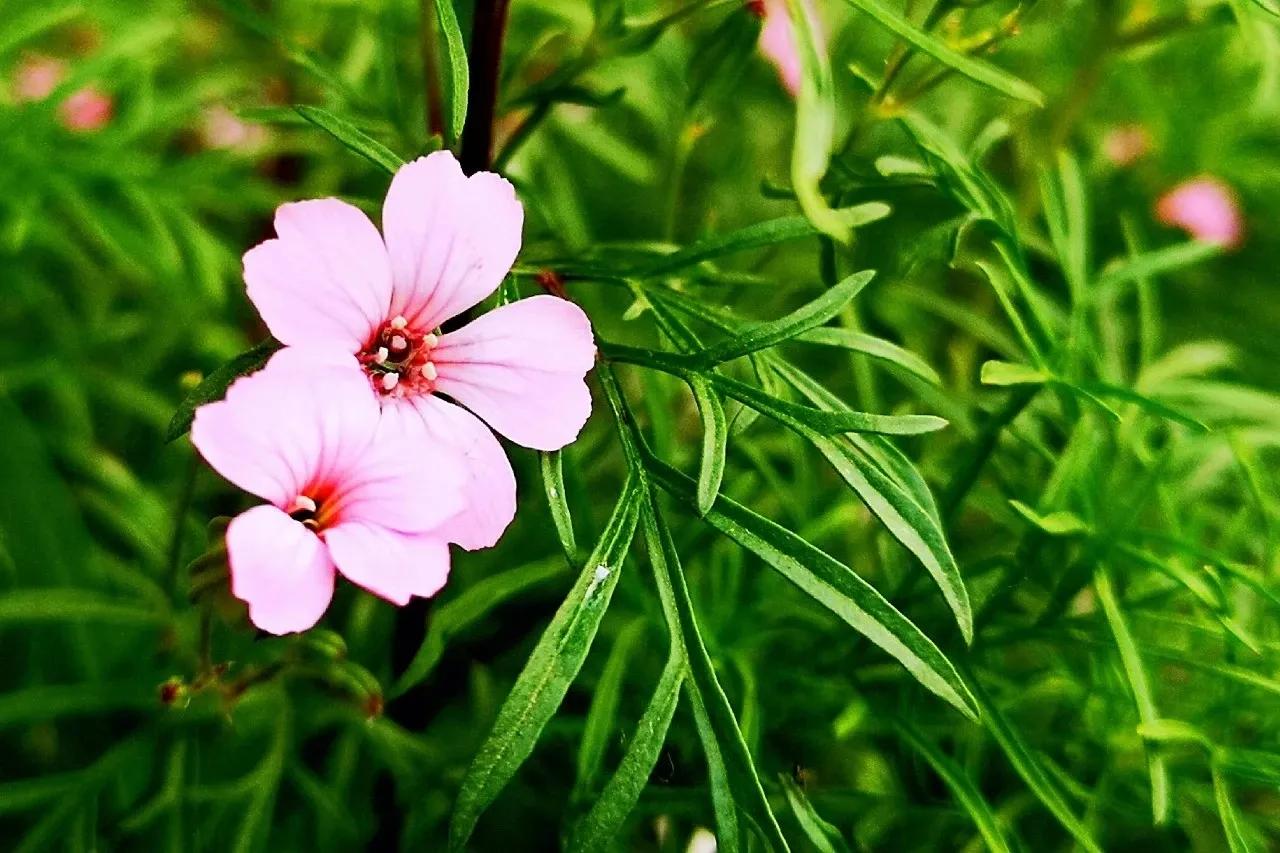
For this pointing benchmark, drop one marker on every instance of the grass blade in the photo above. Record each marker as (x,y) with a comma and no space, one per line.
(352,137)
(832,584)
(824,837)
(551,668)
(733,776)
(1028,765)
(877,348)
(976,70)
(960,786)
(600,825)
(552,466)
(457,76)
(715,441)
(762,335)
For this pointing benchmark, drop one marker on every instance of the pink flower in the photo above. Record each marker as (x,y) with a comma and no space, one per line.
(303,434)
(1126,145)
(1206,208)
(37,77)
(330,281)
(86,110)
(778,39)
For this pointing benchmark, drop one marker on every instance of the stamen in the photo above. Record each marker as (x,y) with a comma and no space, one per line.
(382,354)
(304,504)
(398,342)
(398,322)
(429,371)
(429,341)
(390,380)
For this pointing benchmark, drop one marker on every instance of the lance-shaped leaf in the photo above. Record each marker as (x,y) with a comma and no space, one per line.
(755,236)
(832,584)
(715,440)
(553,484)
(457,75)
(734,782)
(961,787)
(1033,771)
(976,70)
(352,137)
(824,837)
(550,670)
(877,348)
(811,315)
(600,826)
(215,385)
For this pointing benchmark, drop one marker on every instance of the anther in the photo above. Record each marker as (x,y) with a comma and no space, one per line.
(398,342)
(390,381)
(304,504)
(429,371)
(430,341)
(399,322)
(382,354)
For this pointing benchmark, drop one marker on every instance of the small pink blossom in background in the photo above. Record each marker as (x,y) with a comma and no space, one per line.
(86,110)
(778,39)
(222,128)
(1126,145)
(330,282)
(37,76)
(342,496)
(1206,208)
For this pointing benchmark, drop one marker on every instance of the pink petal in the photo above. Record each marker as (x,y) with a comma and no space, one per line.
(489,495)
(521,368)
(1206,208)
(304,416)
(452,239)
(392,565)
(87,110)
(324,280)
(280,569)
(778,43)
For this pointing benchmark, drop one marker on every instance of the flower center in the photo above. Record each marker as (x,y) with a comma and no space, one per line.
(398,360)
(307,511)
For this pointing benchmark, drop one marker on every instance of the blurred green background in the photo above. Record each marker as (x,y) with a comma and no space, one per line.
(136,713)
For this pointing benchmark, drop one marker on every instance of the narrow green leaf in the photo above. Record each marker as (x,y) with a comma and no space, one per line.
(1232,826)
(599,828)
(881,476)
(961,787)
(763,335)
(877,348)
(735,784)
(1032,770)
(352,137)
(1059,523)
(472,607)
(456,76)
(1135,672)
(830,583)
(603,712)
(823,421)
(755,236)
(976,70)
(1157,262)
(715,441)
(552,467)
(34,606)
(21,27)
(1128,395)
(1173,731)
(551,668)
(215,385)
(1004,373)
(824,837)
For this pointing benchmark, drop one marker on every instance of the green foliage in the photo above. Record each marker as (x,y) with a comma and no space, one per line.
(979,552)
